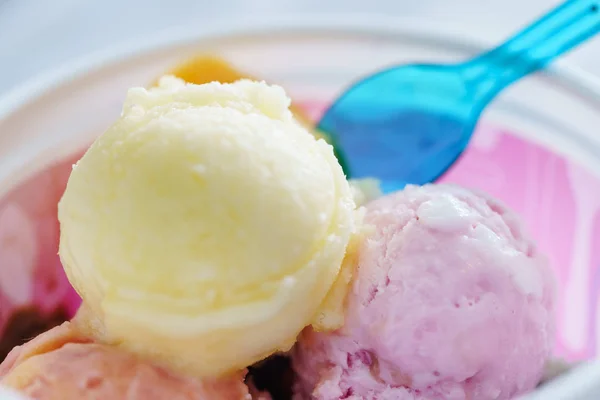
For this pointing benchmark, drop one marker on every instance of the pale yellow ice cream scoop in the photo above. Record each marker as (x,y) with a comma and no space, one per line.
(205,228)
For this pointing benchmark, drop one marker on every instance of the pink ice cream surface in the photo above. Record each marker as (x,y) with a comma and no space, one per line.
(450,300)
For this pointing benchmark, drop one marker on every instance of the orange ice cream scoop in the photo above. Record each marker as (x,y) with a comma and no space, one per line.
(63,365)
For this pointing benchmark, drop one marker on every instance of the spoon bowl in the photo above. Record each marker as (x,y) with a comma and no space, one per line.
(398,115)
(409,124)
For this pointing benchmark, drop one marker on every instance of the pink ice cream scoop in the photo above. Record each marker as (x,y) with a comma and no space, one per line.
(450,300)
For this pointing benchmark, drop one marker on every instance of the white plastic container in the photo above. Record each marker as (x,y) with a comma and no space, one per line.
(547,125)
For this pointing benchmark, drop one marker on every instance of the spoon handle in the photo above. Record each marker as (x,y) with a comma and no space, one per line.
(554,34)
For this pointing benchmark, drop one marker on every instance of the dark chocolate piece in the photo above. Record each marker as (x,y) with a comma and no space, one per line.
(274,375)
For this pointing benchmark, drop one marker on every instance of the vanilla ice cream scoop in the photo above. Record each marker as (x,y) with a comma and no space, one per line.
(205,228)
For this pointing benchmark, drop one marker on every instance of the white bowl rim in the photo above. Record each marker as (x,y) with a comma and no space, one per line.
(577,79)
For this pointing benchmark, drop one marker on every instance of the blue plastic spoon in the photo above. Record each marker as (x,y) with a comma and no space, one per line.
(409,124)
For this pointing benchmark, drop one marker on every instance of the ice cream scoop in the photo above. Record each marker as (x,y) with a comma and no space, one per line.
(63,365)
(205,228)
(449,300)
(208,68)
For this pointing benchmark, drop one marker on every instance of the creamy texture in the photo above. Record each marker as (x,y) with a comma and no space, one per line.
(205,227)
(450,300)
(63,365)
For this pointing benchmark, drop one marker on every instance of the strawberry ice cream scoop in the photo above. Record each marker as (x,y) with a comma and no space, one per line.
(449,300)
